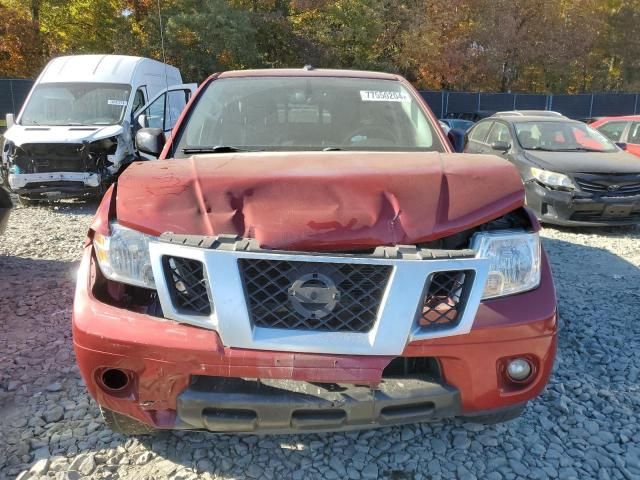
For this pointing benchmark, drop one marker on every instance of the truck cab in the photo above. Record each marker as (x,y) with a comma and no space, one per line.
(74,134)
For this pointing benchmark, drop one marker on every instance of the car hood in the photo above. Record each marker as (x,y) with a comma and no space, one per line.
(318,200)
(585,162)
(20,134)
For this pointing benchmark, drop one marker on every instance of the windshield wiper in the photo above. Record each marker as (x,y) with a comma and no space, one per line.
(332,149)
(580,149)
(542,149)
(216,149)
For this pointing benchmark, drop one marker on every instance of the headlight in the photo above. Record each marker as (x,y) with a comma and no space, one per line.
(552,179)
(514,261)
(124,256)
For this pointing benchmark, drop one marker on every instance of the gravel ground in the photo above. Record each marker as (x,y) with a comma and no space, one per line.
(586,424)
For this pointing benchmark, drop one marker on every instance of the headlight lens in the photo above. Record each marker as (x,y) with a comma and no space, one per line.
(124,256)
(514,261)
(552,179)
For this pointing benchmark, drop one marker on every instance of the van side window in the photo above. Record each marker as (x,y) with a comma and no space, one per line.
(138,100)
(177,99)
(165,115)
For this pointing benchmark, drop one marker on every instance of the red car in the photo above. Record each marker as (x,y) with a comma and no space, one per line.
(308,254)
(623,130)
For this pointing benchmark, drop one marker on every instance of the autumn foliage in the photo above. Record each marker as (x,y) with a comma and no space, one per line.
(490,45)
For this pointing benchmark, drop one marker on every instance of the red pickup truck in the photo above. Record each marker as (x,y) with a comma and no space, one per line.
(309,254)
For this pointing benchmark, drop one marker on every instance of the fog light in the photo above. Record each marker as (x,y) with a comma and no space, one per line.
(519,369)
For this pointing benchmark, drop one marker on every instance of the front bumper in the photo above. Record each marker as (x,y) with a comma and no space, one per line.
(166,361)
(282,406)
(571,209)
(54,184)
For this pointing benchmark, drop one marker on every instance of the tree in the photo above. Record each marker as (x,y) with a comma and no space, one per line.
(22,50)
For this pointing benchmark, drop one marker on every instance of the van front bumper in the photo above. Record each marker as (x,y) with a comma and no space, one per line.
(183,377)
(54,183)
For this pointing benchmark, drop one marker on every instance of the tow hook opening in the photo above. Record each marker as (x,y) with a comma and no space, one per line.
(115,381)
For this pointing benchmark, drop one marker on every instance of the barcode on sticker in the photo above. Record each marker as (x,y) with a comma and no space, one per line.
(383,96)
(120,103)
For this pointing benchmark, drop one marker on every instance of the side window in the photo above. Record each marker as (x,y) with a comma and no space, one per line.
(155,113)
(138,100)
(165,115)
(634,133)
(613,130)
(499,133)
(176,101)
(479,132)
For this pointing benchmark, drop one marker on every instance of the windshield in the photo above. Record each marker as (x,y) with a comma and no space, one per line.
(306,113)
(561,136)
(76,104)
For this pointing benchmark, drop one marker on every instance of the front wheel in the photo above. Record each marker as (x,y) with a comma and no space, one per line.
(119,423)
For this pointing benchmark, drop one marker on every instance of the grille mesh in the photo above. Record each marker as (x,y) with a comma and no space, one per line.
(316,296)
(444,301)
(187,285)
(609,186)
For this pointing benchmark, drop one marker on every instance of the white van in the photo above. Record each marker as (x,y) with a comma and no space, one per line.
(75,132)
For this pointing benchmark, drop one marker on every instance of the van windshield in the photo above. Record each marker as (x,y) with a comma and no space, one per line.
(76,104)
(306,113)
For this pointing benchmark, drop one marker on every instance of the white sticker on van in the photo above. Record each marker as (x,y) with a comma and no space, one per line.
(120,103)
(382,96)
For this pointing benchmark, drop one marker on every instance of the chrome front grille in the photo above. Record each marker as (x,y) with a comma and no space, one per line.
(609,185)
(332,297)
(341,304)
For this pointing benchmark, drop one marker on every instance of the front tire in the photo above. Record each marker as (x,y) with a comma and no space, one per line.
(119,423)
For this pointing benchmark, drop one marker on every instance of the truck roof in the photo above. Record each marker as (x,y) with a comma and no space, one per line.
(103,69)
(308,72)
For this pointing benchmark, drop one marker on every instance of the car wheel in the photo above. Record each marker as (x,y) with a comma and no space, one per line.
(119,423)
(498,417)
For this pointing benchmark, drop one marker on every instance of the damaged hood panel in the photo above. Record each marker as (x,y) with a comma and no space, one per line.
(20,134)
(319,200)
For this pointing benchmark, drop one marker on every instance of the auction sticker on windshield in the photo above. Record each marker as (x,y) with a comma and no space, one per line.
(120,103)
(383,96)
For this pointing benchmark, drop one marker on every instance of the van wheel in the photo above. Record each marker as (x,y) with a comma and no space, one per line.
(498,417)
(119,423)
(27,201)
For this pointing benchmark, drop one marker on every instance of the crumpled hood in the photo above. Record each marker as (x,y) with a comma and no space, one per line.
(20,134)
(586,162)
(318,200)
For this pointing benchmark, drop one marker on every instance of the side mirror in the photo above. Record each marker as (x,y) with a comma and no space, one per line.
(457,137)
(501,146)
(10,120)
(142,121)
(150,141)
(621,145)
